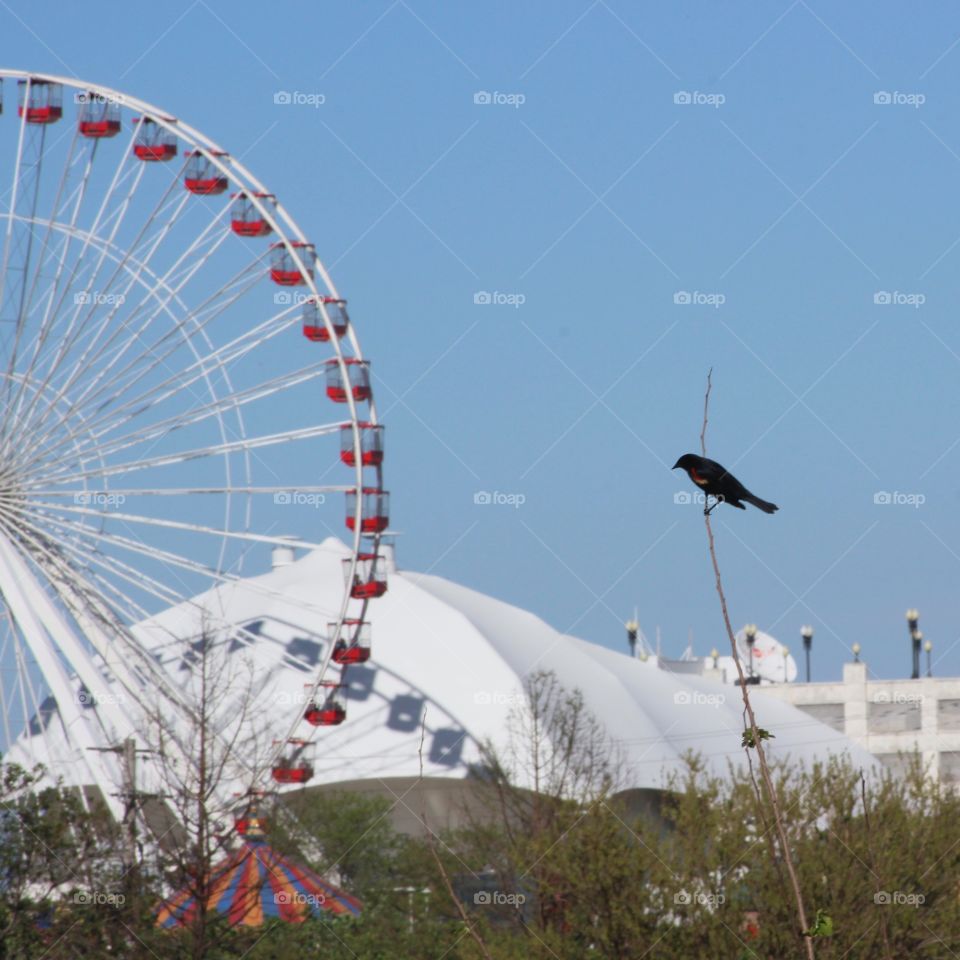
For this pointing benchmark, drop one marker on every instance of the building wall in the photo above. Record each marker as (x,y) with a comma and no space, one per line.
(890,718)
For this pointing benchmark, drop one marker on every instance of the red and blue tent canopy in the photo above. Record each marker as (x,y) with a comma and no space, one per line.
(256,883)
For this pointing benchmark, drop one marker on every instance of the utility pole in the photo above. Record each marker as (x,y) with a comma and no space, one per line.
(132,801)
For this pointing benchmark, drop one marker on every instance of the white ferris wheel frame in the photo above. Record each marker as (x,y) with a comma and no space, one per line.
(29,604)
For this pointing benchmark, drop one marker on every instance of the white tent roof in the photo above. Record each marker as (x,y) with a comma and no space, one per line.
(454,660)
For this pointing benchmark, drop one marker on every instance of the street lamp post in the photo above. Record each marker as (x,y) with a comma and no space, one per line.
(751,634)
(913,619)
(807,633)
(633,628)
(928,649)
(856,652)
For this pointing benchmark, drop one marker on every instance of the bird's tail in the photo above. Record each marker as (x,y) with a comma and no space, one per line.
(761,504)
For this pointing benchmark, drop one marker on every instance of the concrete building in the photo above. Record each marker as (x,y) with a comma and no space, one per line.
(892,719)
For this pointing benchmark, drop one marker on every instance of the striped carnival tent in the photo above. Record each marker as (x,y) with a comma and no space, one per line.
(257,883)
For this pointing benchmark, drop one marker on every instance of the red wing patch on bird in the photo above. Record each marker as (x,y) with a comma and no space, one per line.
(696,478)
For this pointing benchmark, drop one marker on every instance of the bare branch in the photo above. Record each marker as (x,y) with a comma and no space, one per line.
(769,786)
(706,408)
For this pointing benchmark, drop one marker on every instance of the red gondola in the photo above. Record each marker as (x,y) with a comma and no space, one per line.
(374,515)
(354,643)
(41,101)
(202,176)
(313,326)
(371,444)
(329,711)
(245,219)
(247,818)
(369,578)
(358,373)
(283,267)
(154,142)
(99,117)
(294,766)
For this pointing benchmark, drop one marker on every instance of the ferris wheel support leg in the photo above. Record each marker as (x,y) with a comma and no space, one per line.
(23,598)
(57,629)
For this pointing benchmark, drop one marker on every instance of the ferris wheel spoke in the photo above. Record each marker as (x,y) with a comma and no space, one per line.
(102,245)
(73,204)
(54,419)
(163,428)
(175,338)
(152,676)
(108,588)
(245,536)
(65,240)
(48,637)
(21,234)
(21,563)
(5,697)
(102,215)
(158,393)
(150,360)
(85,606)
(90,295)
(122,271)
(49,295)
(128,272)
(244,445)
(185,491)
(66,336)
(8,240)
(41,260)
(29,701)
(173,385)
(53,564)
(26,686)
(142,246)
(137,547)
(18,682)
(185,337)
(204,246)
(89,558)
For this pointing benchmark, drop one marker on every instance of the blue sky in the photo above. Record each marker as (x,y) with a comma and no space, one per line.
(783,198)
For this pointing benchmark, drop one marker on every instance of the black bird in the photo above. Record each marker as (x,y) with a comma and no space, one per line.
(715,481)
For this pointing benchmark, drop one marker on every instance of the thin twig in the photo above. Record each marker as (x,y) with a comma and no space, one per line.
(706,410)
(768,783)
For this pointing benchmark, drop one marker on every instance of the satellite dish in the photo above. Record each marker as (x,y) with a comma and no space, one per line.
(771,662)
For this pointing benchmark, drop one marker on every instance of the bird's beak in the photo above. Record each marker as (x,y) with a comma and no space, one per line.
(674,467)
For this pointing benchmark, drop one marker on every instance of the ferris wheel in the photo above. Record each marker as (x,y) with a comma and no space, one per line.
(181,391)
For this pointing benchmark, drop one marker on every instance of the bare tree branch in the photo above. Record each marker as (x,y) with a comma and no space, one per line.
(769,786)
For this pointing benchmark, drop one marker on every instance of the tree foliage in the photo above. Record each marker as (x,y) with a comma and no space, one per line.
(560,866)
